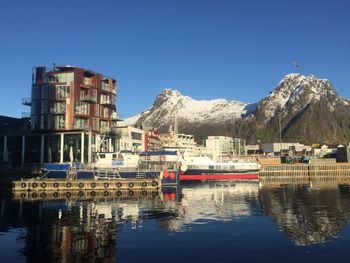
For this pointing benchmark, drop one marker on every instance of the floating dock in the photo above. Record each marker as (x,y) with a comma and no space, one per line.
(84,195)
(44,185)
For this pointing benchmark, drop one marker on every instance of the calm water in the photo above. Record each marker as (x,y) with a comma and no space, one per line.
(216,222)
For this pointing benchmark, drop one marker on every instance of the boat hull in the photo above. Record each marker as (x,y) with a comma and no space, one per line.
(87,174)
(203,175)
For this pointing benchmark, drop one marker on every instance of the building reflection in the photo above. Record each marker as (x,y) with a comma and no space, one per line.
(86,230)
(308,213)
(72,234)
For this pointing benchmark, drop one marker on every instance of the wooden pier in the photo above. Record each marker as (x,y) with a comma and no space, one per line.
(44,185)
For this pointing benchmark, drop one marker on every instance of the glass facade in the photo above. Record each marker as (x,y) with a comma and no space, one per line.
(65,99)
(86,147)
(2,145)
(72,148)
(52,148)
(14,146)
(32,152)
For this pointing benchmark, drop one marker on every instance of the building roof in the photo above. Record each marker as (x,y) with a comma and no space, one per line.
(70,67)
(14,126)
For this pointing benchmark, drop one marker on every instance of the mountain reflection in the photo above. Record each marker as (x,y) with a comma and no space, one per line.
(307,215)
(86,229)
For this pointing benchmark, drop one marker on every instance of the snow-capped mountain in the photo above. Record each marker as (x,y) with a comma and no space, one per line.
(309,108)
(170,103)
(296,91)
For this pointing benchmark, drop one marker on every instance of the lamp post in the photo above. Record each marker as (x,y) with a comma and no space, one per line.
(279,123)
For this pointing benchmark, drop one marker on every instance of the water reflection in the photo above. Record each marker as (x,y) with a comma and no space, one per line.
(85,227)
(307,213)
(214,201)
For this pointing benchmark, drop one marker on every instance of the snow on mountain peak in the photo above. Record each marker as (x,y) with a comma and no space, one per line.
(169,102)
(293,93)
(293,88)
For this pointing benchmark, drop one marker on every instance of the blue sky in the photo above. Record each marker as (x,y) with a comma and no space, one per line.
(237,50)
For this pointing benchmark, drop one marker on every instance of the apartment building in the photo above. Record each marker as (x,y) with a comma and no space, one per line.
(72,117)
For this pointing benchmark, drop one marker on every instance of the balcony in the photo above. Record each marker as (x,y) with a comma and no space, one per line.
(88,98)
(108,129)
(108,102)
(26,101)
(87,82)
(78,126)
(58,111)
(105,86)
(114,116)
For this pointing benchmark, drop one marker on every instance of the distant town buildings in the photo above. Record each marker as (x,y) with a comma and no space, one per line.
(131,139)
(73,116)
(223,146)
(275,148)
(152,140)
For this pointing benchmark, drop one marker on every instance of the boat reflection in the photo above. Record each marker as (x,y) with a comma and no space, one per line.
(213,201)
(85,227)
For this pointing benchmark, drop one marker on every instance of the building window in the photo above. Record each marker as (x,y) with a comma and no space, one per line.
(42,121)
(95,124)
(64,77)
(62,92)
(52,148)
(136,136)
(104,99)
(34,122)
(96,110)
(81,108)
(35,92)
(58,108)
(44,107)
(59,122)
(104,112)
(49,122)
(81,124)
(44,92)
(104,126)
(105,85)
(72,148)
(33,107)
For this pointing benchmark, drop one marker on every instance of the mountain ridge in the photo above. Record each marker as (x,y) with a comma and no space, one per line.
(299,101)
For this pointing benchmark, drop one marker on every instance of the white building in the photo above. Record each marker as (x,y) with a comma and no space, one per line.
(173,140)
(132,139)
(276,147)
(252,149)
(222,145)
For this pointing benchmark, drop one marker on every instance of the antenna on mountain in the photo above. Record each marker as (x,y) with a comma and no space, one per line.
(295,63)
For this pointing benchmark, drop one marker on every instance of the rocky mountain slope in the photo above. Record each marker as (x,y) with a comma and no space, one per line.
(308,109)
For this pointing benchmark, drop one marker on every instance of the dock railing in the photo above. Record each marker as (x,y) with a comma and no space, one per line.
(307,170)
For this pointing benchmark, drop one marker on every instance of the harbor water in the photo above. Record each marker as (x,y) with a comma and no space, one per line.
(230,221)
